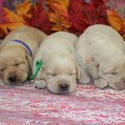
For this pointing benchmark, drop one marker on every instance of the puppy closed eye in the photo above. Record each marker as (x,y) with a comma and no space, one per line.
(1,70)
(17,64)
(111,71)
(111,74)
(114,73)
(74,73)
(52,74)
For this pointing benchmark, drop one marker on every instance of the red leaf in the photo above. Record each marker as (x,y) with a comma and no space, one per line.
(102,10)
(96,12)
(39,18)
(83,14)
(77,17)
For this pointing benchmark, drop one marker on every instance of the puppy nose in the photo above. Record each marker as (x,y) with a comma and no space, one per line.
(12,78)
(64,86)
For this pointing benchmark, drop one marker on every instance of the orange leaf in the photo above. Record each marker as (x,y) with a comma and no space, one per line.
(123,29)
(116,22)
(114,19)
(7,27)
(60,2)
(25,8)
(61,6)
(60,23)
(11,17)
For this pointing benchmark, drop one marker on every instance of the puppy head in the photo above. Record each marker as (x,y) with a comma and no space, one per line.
(61,73)
(114,74)
(14,65)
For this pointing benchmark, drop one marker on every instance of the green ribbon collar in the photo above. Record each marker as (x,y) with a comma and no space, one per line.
(39,64)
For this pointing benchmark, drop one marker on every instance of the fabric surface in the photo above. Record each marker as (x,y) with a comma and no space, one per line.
(26,105)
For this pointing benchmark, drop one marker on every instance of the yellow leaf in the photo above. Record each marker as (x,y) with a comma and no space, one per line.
(7,27)
(13,19)
(59,18)
(116,22)
(114,19)
(61,6)
(10,16)
(25,8)
(60,23)
(60,2)
(123,29)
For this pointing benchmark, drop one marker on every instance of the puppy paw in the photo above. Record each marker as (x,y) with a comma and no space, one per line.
(84,77)
(84,80)
(40,84)
(101,83)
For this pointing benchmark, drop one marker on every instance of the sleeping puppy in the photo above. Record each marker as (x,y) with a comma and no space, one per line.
(1,41)
(17,52)
(100,53)
(59,70)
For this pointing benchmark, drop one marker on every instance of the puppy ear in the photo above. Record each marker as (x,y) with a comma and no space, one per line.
(29,60)
(92,69)
(1,44)
(78,72)
(1,41)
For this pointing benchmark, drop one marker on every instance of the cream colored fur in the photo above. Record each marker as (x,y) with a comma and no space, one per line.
(105,50)
(15,59)
(59,64)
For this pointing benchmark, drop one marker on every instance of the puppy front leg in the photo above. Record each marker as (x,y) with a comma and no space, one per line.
(40,82)
(84,77)
(101,83)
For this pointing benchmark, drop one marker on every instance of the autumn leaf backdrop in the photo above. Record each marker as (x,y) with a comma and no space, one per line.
(61,15)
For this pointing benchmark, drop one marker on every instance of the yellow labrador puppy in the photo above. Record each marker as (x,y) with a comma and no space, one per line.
(101,54)
(1,41)
(17,52)
(59,70)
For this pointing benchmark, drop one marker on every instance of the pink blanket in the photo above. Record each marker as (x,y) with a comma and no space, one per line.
(26,105)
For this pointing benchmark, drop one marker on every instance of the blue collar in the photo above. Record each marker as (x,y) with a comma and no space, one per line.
(24,45)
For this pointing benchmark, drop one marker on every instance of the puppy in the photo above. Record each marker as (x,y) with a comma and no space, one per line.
(100,52)
(17,52)
(1,41)
(59,70)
